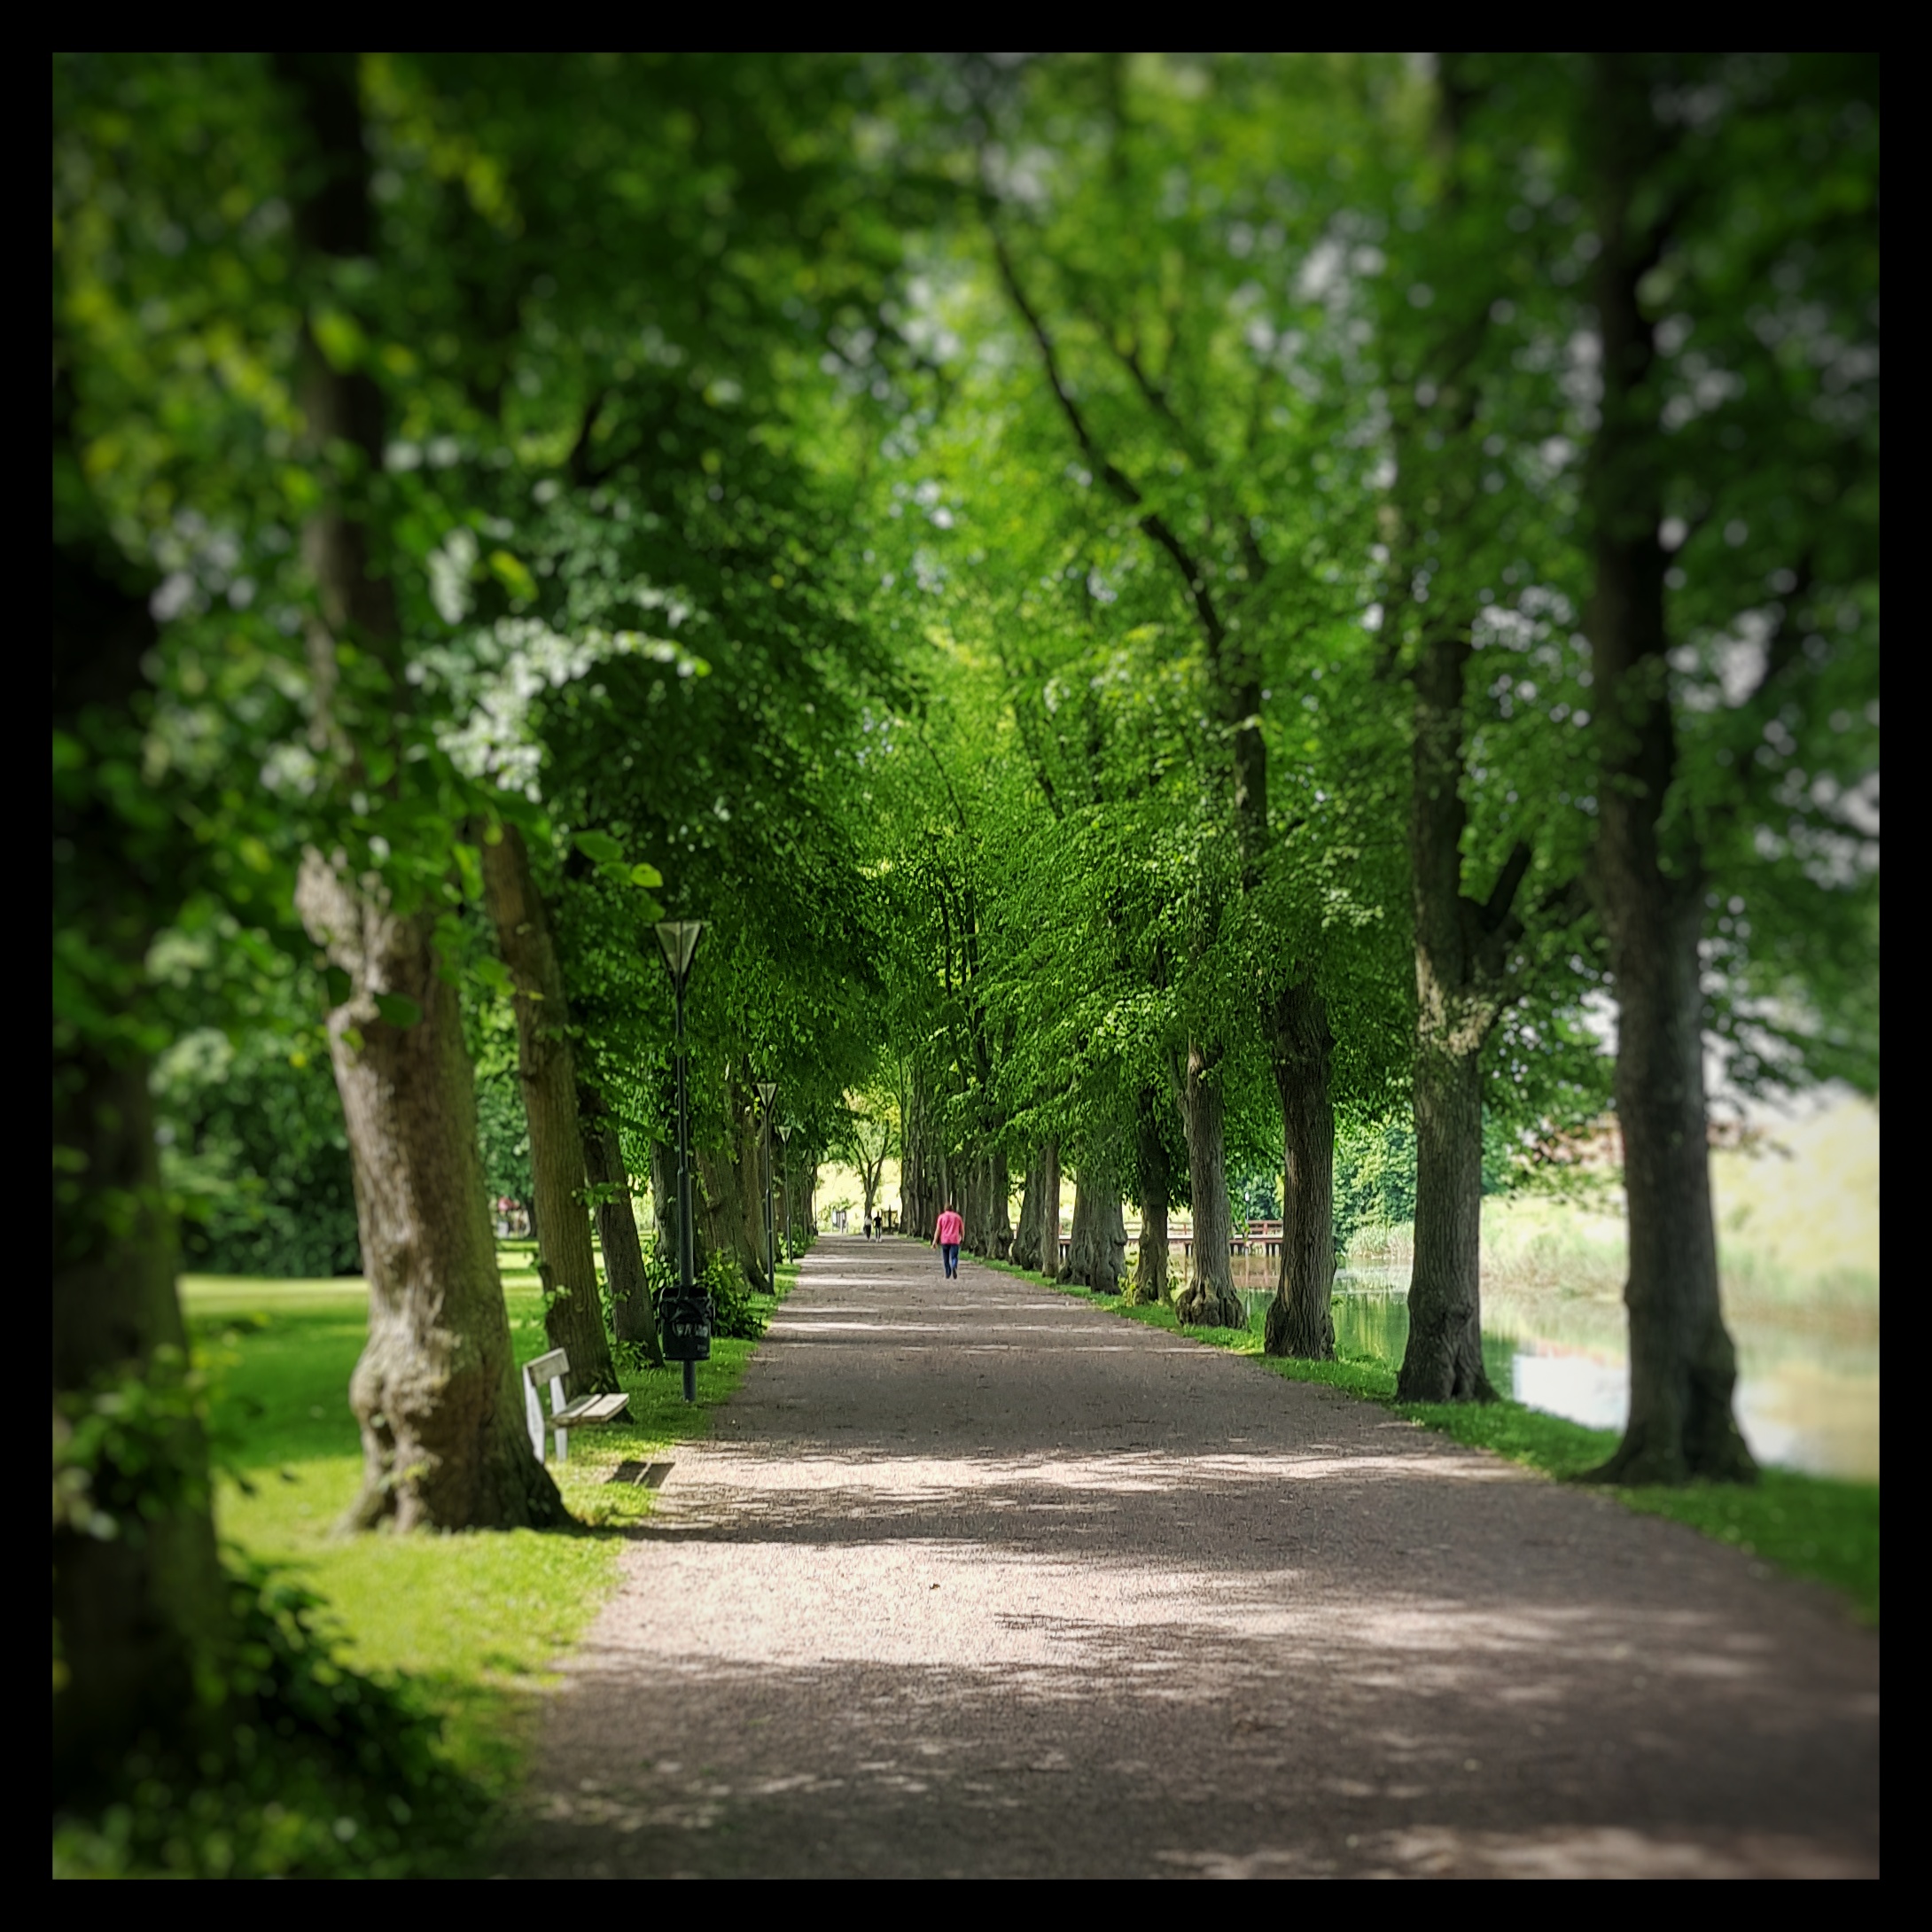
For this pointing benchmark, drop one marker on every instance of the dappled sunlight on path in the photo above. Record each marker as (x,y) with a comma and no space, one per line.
(975,1578)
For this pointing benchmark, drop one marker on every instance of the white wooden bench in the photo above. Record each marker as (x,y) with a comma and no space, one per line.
(587,1412)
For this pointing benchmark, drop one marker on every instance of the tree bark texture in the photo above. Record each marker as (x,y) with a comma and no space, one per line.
(1300,1322)
(136,1614)
(1208,1300)
(999,1210)
(546,1075)
(1099,1256)
(751,1154)
(632,1317)
(1025,1251)
(1461,955)
(1049,1210)
(436,1394)
(1155,1185)
(1649,885)
(976,1204)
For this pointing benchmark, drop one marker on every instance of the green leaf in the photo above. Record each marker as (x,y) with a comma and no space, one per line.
(398,1010)
(601,847)
(646,876)
(340,985)
(513,575)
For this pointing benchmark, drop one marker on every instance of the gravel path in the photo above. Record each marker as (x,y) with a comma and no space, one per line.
(977,1578)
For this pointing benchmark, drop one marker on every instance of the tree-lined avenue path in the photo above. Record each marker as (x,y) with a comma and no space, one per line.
(975,1578)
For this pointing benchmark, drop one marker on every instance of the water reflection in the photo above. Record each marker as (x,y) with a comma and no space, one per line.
(1806,1400)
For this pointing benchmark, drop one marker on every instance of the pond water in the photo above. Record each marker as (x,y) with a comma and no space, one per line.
(1807,1393)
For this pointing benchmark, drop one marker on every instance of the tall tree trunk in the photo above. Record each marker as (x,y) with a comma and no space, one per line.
(751,1242)
(631,1313)
(1025,1251)
(444,1444)
(137,1615)
(1100,1230)
(999,1210)
(546,1074)
(719,1204)
(1683,1369)
(1300,1322)
(1460,952)
(975,1205)
(1049,1210)
(1208,1300)
(1155,1185)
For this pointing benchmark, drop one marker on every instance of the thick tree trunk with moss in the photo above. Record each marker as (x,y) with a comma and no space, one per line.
(1099,1246)
(632,1317)
(436,1393)
(1154,1184)
(1208,1300)
(546,1074)
(1300,1323)
(137,1614)
(1649,881)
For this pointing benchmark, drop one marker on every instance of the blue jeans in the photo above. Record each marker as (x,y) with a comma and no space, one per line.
(949,1252)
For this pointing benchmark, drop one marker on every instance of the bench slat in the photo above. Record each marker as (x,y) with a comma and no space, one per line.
(547,1368)
(589,1409)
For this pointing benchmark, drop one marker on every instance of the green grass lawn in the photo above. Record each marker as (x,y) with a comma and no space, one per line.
(1811,1525)
(479,1621)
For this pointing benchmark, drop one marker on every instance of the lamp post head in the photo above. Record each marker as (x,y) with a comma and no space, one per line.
(679,940)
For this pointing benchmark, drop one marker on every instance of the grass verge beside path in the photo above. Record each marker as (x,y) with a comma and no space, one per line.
(475,1621)
(1812,1526)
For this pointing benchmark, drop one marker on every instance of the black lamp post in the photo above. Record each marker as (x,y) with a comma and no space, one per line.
(684,1322)
(765,1090)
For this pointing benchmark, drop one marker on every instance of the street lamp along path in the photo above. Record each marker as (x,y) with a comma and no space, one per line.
(684,1321)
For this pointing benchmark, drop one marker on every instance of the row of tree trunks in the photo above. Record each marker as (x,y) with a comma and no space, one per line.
(435,1393)
(547,1074)
(1036,1240)
(1049,1210)
(1098,1255)
(1300,1322)
(1154,1184)
(632,1316)
(985,1204)
(1649,882)
(1208,1300)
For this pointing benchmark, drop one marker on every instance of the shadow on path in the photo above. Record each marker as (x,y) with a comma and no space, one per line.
(976,1579)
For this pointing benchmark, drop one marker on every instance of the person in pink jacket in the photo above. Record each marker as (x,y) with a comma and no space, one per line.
(947,1237)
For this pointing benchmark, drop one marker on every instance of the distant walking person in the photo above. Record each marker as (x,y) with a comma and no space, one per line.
(947,1237)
